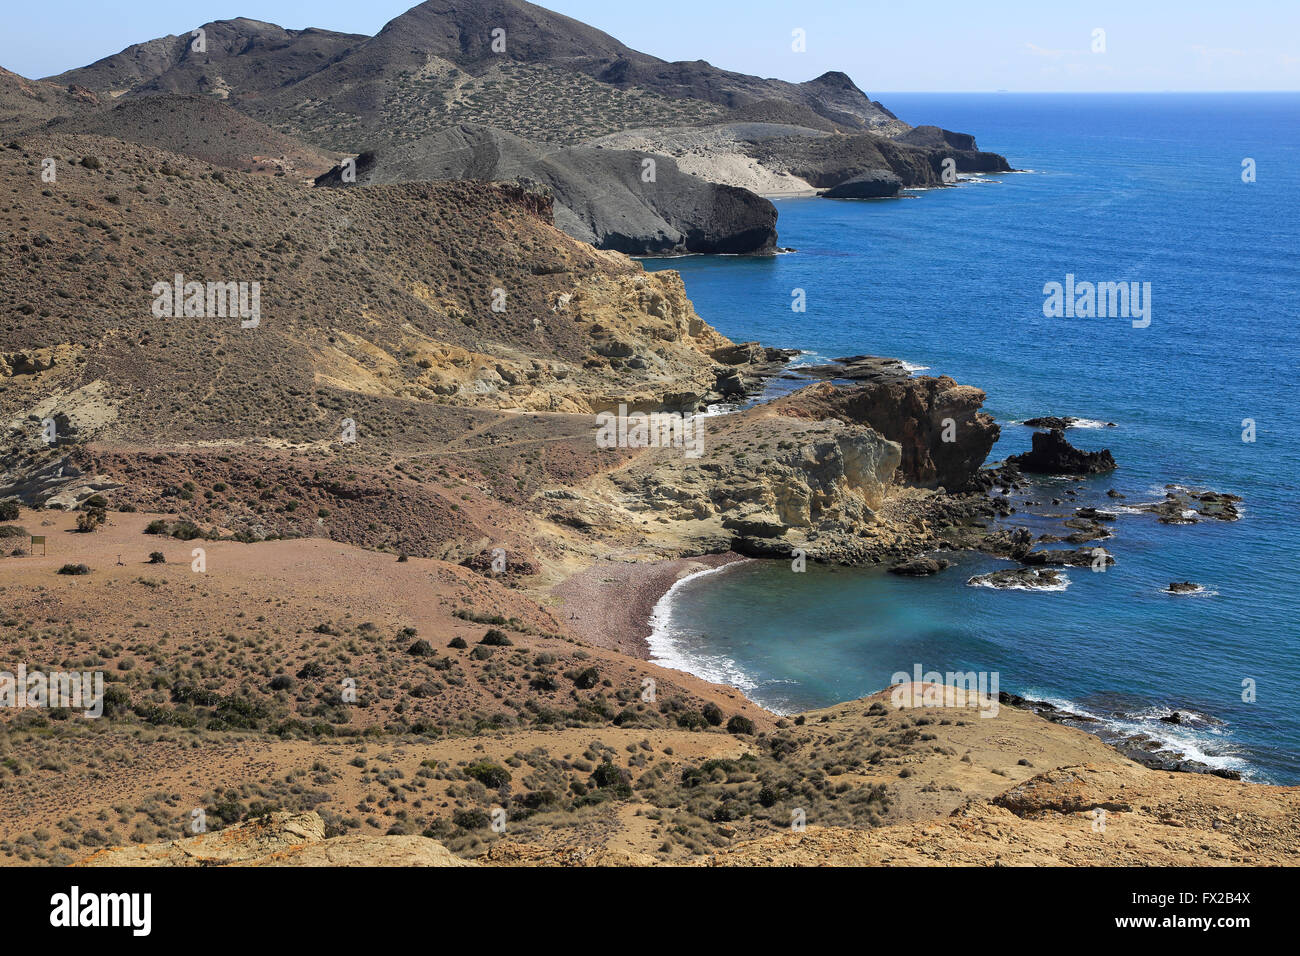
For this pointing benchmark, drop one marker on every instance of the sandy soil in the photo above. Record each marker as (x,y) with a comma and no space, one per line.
(715,154)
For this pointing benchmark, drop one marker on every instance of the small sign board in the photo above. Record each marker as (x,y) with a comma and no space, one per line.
(38,539)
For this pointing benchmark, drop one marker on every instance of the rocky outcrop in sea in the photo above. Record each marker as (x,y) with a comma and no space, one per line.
(1052,454)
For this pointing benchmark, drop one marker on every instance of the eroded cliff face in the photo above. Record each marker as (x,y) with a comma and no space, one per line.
(599,194)
(762,484)
(943,437)
(637,340)
(763,474)
(845,475)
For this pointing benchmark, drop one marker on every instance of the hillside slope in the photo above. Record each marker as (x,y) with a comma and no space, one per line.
(202,127)
(28,104)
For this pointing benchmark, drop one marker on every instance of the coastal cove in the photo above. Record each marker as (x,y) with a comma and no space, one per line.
(1132,189)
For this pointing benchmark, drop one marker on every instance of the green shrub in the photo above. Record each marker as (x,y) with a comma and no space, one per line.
(470,819)
(186,530)
(117,700)
(488,774)
(691,720)
(88,521)
(740,725)
(608,775)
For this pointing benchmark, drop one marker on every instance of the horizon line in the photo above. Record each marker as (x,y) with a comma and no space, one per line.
(883,92)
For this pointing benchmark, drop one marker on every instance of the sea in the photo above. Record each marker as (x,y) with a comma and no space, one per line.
(1197,195)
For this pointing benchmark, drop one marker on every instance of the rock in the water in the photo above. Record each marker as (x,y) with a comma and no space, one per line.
(1051,454)
(859,368)
(1058,421)
(1183,587)
(1096,557)
(1021,579)
(920,567)
(1220,506)
(1086,530)
(1182,506)
(872,184)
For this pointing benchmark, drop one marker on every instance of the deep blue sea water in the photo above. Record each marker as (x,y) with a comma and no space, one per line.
(1143,188)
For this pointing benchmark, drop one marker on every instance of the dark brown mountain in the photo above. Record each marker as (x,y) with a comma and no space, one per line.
(27,104)
(555,79)
(242,57)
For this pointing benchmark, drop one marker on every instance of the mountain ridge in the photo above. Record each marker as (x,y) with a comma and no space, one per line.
(345,71)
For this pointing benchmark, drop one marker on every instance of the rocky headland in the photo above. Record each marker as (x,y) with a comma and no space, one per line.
(633,202)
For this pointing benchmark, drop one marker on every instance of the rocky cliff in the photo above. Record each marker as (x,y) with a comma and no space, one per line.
(943,436)
(826,161)
(625,200)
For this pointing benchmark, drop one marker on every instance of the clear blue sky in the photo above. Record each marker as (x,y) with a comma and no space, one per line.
(1017,45)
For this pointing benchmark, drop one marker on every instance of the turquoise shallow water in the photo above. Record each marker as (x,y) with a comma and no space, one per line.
(1123,188)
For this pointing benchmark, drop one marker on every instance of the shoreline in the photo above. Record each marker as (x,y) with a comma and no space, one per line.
(610,603)
(613,605)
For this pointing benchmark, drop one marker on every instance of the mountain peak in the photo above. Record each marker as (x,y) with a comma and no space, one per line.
(467,32)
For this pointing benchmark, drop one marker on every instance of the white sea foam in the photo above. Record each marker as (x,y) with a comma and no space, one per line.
(667,647)
(723,408)
(1076,423)
(806,358)
(1088,423)
(975,583)
(1200,737)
